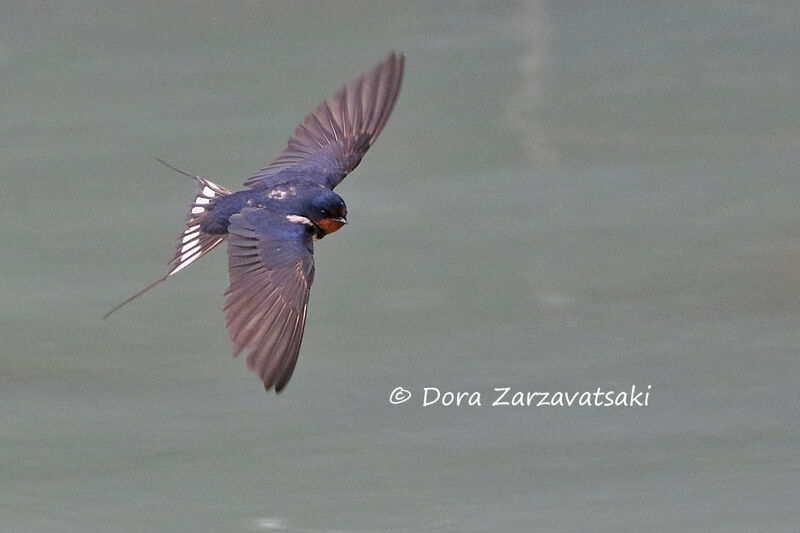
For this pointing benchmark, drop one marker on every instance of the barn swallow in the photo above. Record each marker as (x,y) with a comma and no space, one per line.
(271,226)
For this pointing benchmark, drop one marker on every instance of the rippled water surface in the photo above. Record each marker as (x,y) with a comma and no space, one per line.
(569,196)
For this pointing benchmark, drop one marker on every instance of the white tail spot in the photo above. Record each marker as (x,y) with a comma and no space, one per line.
(191,246)
(184,264)
(190,253)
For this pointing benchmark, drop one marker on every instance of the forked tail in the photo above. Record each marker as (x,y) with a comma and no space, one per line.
(192,243)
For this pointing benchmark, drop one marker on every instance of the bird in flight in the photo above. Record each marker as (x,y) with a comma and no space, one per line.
(271,226)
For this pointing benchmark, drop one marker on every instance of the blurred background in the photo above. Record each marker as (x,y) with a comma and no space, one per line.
(569,195)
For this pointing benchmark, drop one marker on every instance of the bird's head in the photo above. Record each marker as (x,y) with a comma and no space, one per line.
(326,210)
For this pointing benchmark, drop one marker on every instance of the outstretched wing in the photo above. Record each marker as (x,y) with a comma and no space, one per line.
(271,266)
(332,140)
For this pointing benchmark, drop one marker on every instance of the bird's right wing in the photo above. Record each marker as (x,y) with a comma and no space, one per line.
(271,266)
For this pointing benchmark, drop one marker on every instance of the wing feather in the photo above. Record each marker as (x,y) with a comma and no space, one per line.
(271,268)
(331,141)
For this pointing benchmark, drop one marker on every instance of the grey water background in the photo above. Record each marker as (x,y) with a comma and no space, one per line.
(570,195)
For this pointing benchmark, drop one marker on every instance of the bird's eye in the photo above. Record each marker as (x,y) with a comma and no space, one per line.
(324,211)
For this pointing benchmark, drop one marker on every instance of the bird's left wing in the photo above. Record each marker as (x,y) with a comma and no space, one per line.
(271,266)
(332,140)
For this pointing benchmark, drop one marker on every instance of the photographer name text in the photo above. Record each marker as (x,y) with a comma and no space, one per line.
(508,397)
